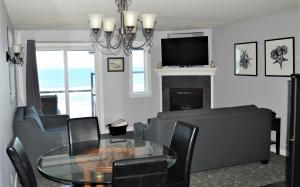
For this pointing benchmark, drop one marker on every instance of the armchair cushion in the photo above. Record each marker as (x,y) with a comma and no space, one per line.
(54,123)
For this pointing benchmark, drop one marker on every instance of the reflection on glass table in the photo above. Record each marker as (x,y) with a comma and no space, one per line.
(91,162)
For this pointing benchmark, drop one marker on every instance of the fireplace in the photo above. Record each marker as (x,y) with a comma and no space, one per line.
(187,78)
(186,98)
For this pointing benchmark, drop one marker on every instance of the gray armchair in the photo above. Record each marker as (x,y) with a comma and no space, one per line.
(39,133)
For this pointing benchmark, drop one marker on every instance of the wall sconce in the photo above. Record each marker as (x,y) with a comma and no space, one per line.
(14,55)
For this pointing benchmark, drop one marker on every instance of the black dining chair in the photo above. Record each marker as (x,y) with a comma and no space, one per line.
(183,143)
(83,129)
(21,164)
(140,172)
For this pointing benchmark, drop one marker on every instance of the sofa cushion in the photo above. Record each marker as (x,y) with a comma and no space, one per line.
(182,113)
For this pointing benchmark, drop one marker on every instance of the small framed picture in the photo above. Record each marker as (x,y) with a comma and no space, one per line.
(280,57)
(115,64)
(245,59)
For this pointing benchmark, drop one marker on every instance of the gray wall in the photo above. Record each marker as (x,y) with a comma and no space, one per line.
(268,92)
(7,107)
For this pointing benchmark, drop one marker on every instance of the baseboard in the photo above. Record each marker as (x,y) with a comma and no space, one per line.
(281,152)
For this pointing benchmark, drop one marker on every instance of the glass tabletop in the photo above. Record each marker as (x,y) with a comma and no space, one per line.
(91,162)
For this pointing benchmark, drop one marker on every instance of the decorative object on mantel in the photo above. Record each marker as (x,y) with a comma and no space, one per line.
(245,59)
(123,37)
(14,53)
(280,57)
(212,64)
(158,65)
(115,64)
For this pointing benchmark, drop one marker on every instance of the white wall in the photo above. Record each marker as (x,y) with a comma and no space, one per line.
(117,101)
(6,107)
(268,92)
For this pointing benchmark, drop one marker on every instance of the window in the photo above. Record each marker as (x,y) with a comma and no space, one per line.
(140,71)
(69,74)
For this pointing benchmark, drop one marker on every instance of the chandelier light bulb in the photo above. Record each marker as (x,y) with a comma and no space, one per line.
(130,18)
(109,24)
(148,20)
(95,21)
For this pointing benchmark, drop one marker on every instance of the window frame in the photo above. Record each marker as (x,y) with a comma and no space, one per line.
(147,72)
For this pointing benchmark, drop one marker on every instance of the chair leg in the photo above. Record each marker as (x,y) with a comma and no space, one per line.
(264,161)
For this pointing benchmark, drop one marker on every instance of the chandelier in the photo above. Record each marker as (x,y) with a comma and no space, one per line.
(114,39)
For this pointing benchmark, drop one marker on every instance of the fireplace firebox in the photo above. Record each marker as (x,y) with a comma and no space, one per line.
(186,98)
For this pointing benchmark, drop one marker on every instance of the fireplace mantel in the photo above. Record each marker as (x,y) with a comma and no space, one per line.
(186,71)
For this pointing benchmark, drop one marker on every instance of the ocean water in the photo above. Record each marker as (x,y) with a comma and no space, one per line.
(53,79)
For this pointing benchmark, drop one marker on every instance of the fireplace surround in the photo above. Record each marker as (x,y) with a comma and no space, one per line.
(186,77)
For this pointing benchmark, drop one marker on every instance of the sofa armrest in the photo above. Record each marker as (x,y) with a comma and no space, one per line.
(55,122)
(149,120)
(139,130)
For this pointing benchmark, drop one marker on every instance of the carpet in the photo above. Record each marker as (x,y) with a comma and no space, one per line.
(247,175)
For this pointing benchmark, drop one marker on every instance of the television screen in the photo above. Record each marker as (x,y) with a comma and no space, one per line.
(191,51)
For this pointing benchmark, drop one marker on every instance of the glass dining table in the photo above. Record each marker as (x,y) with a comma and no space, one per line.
(91,162)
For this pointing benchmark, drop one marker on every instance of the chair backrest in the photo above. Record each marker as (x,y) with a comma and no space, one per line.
(140,172)
(49,104)
(183,143)
(83,129)
(21,163)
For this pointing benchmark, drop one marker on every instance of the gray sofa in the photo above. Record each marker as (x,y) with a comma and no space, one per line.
(39,134)
(227,136)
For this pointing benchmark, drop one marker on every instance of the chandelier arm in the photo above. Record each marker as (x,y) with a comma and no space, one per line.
(147,42)
(128,3)
(115,46)
(111,52)
(97,41)
(141,46)
(125,50)
(128,45)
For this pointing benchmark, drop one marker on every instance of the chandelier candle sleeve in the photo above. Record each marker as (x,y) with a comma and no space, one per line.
(148,20)
(130,18)
(95,21)
(17,49)
(109,24)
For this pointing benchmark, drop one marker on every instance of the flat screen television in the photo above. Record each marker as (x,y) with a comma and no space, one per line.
(191,51)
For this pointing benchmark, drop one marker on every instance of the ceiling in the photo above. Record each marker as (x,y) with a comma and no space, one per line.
(172,14)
